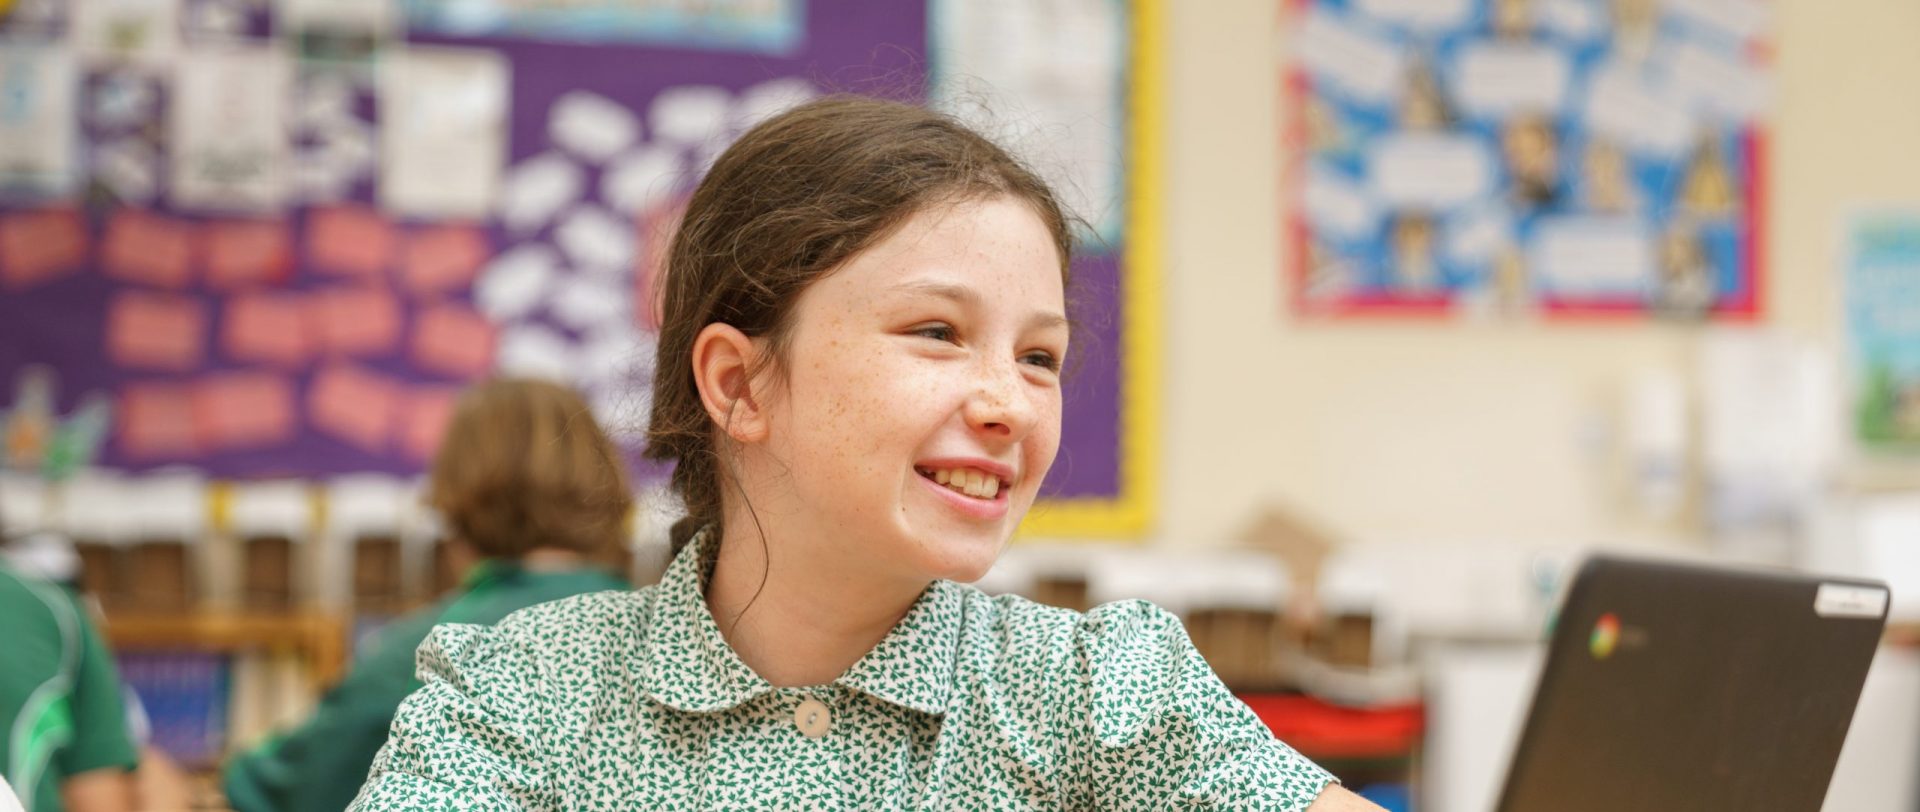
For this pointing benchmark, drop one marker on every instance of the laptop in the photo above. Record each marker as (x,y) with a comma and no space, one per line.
(1671,686)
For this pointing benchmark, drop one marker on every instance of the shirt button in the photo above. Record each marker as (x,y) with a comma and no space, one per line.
(813,718)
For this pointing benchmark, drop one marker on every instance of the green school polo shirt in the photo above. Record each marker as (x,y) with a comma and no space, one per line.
(60,705)
(635,701)
(320,764)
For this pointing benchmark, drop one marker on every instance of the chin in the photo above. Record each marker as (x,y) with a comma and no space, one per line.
(965,561)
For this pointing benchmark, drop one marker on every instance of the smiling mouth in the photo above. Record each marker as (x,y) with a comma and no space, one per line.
(966,481)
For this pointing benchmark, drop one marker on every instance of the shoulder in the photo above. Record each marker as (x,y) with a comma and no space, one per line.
(1131,629)
(1010,624)
(573,631)
(45,624)
(1023,621)
(1016,631)
(583,617)
(34,601)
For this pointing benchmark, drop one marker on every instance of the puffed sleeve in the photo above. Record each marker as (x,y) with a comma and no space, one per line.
(469,738)
(1149,726)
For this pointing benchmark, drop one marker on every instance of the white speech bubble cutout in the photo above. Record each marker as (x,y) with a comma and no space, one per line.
(690,114)
(1573,19)
(594,239)
(1624,109)
(592,126)
(1420,15)
(1502,80)
(1367,67)
(1724,87)
(1593,255)
(515,283)
(1741,20)
(539,352)
(1429,171)
(537,189)
(1337,206)
(643,178)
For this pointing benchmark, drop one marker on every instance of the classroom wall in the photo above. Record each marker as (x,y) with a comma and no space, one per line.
(1420,433)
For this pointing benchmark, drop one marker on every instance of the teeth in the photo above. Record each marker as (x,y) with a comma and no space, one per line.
(968,481)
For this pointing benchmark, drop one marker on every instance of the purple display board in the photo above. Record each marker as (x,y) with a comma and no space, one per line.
(331,337)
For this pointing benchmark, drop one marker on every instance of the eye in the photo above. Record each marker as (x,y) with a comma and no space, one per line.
(936,331)
(1042,359)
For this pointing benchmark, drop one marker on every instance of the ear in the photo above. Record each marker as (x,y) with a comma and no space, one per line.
(723,357)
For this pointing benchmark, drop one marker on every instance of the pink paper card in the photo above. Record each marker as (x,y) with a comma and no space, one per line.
(358,321)
(243,410)
(152,249)
(40,246)
(156,420)
(243,253)
(423,420)
(442,258)
(453,340)
(156,331)
(354,405)
(350,240)
(656,235)
(269,328)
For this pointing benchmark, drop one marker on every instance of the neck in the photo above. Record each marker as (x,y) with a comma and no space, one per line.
(811,619)
(551,559)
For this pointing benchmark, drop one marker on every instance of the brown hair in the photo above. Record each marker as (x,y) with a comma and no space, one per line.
(524,465)
(793,199)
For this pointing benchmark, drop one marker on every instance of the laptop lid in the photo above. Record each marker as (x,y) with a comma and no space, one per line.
(1674,686)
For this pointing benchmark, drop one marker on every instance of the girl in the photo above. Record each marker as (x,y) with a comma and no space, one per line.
(859,383)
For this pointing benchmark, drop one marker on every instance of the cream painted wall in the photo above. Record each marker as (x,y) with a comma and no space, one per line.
(1463,433)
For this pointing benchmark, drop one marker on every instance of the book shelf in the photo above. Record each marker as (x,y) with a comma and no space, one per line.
(318,638)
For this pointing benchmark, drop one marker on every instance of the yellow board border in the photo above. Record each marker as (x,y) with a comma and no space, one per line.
(1131,515)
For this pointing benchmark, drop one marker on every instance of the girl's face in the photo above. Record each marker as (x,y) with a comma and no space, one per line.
(932,357)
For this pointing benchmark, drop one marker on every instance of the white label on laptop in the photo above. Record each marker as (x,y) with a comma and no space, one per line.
(1846,600)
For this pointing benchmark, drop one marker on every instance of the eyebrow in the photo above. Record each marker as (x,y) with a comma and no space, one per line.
(967,296)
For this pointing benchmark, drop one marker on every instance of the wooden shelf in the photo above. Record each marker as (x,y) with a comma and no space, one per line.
(321,637)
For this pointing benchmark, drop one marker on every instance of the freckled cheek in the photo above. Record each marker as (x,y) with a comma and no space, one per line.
(1043,442)
(859,404)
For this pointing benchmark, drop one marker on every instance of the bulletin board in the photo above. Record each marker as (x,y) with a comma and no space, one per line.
(1519,158)
(264,239)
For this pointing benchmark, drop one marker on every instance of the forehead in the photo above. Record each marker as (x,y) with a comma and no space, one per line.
(997,246)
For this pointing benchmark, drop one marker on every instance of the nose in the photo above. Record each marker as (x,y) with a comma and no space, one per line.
(1000,406)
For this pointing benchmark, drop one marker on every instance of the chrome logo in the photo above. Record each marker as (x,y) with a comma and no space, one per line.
(1606,635)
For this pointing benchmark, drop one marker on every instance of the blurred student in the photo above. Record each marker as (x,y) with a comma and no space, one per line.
(46,559)
(63,728)
(529,484)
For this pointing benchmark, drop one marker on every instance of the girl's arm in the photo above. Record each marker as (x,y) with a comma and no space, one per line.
(1337,799)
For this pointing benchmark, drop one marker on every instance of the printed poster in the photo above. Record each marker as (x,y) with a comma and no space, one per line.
(38,125)
(1883,325)
(230,141)
(443,134)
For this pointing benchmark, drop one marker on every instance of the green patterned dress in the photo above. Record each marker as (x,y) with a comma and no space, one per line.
(632,700)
